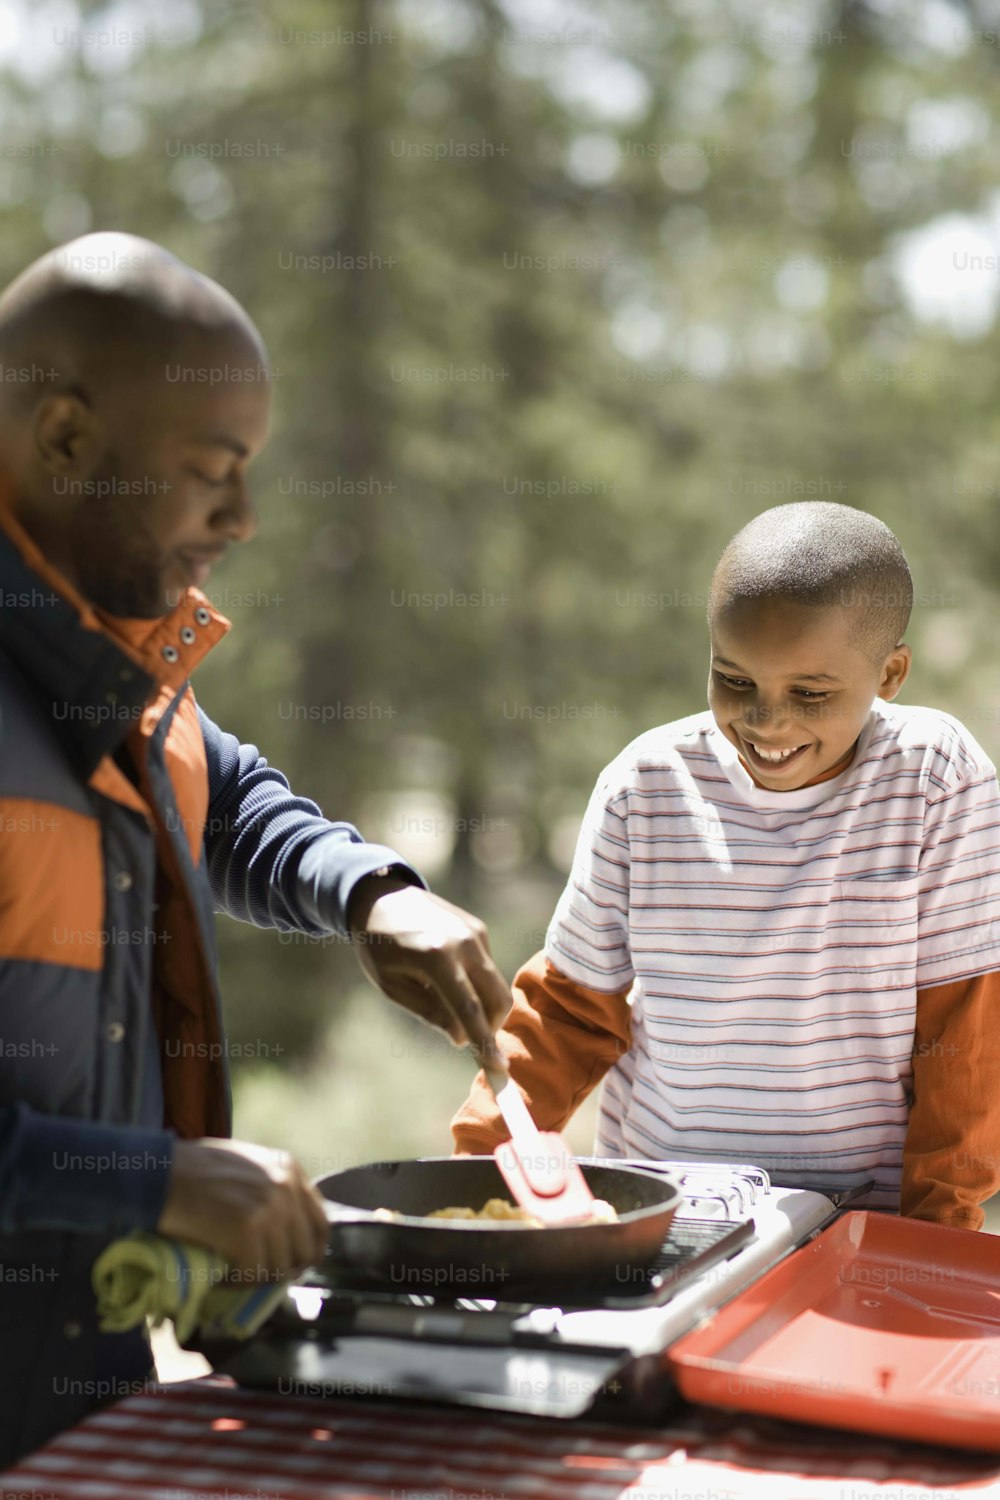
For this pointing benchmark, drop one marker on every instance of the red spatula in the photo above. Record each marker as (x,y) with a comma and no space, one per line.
(537,1165)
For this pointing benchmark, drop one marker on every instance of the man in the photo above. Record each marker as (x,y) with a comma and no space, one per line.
(141,398)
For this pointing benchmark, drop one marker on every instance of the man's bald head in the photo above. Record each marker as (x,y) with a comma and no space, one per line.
(135,392)
(819,553)
(111,307)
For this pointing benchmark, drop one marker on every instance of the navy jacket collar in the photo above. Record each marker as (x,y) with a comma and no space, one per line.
(92,689)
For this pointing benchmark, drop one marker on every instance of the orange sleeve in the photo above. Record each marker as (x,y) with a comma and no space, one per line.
(951,1156)
(559,1040)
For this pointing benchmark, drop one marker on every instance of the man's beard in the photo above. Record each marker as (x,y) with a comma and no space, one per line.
(118,564)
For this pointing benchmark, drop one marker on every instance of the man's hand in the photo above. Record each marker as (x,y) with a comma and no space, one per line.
(253,1206)
(433,959)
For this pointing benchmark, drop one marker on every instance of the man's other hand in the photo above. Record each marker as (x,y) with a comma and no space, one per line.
(253,1206)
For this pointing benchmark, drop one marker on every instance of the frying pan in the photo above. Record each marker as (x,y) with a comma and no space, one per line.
(483,1258)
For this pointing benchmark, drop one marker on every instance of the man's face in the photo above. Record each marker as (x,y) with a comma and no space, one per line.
(168,492)
(787,678)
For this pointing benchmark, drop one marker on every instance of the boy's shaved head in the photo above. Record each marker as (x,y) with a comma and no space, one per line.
(816,552)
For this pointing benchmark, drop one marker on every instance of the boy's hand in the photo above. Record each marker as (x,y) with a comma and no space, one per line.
(433,959)
(253,1206)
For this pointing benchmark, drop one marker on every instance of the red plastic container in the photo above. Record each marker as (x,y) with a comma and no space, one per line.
(879,1324)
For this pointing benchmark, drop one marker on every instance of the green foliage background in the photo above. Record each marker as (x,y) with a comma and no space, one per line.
(650,254)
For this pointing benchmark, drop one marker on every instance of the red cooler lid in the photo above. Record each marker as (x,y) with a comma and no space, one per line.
(880,1324)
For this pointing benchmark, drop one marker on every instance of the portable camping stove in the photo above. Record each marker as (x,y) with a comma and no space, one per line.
(329,1339)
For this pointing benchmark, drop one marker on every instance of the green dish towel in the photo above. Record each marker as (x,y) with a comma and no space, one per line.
(145,1275)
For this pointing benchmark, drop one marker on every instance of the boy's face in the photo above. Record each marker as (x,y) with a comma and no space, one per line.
(787,677)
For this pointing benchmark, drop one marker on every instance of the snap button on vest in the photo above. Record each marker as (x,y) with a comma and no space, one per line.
(115,1031)
(202,615)
(170,653)
(123,881)
(187,635)
(72,1330)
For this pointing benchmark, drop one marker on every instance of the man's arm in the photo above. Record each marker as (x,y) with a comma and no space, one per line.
(559,1040)
(951,1155)
(252,1205)
(80,1176)
(273,859)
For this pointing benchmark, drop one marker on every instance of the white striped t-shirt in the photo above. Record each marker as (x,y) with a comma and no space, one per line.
(774,942)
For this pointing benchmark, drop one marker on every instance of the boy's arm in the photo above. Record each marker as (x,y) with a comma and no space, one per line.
(563,1033)
(559,1040)
(951,1155)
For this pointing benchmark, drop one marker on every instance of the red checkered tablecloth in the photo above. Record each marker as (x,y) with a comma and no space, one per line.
(211,1440)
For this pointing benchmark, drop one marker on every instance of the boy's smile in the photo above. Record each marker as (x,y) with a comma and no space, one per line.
(791,687)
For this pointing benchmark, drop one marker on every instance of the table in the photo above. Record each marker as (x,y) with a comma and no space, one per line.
(209,1439)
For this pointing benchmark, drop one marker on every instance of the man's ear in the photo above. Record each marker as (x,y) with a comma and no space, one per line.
(65,433)
(895,671)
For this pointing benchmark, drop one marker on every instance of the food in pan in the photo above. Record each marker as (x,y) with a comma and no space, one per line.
(499,1209)
(495,1208)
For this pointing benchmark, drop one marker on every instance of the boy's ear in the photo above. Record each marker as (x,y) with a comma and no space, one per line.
(895,671)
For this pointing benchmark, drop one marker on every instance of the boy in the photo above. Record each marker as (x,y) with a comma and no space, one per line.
(781,935)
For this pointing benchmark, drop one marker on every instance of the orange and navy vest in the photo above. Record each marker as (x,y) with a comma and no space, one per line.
(106,911)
